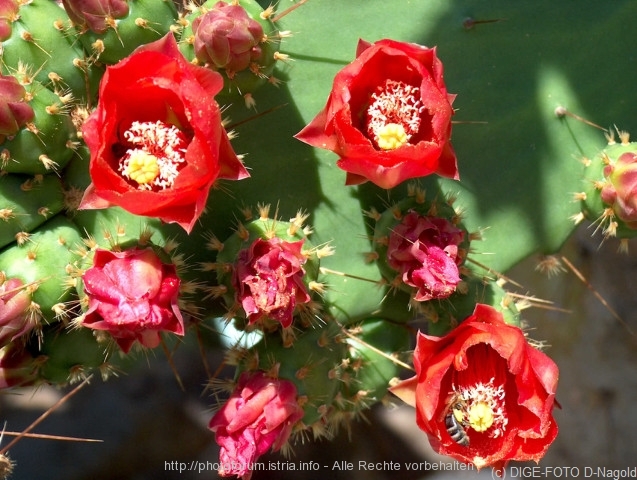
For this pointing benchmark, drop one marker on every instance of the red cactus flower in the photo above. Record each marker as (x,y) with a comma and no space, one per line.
(15,316)
(133,296)
(482,393)
(388,116)
(425,251)
(268,279)
(620,189)
(226,37)
(156,140)
(258,416)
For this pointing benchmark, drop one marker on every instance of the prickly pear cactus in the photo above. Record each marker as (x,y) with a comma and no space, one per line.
(322,282)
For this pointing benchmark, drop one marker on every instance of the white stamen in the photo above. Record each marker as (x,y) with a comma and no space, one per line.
(164,142)
(394,102)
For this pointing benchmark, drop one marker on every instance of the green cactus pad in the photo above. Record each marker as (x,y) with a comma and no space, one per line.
(26,202)
(47,145)
(44,260)
(310,363)
(372,376)
(40,41)
(71,354)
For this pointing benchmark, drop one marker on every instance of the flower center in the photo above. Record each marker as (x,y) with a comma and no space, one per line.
(157,153)
(393,115)
(480,416)
(484,409)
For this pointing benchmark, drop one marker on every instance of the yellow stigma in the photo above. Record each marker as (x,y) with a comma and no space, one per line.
(391,136)
(142,167)
(480,416)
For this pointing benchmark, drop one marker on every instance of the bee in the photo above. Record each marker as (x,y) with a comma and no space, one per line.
(455,422)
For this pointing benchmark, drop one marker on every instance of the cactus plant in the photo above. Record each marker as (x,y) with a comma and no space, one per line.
(154,165)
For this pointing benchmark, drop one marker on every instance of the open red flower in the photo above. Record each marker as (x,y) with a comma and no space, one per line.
(156,140)
(388,116)
(258,416)
(482,393)
(133,296)
(268,279)
(424,250)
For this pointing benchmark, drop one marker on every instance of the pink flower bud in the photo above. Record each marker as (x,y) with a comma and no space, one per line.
(258,416)
(425,251)
(97,15)
(15,320)
(226,37)
(620,190)
(133,296)
(15,112)
(268,279)
(8,14)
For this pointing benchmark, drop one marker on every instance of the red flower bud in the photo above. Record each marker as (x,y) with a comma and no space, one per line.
(133,296)
(97,15)
(15,112)
(15,318)
(482,393)
(8,14)
(620,189)
(425,251)
(268,279)
(388,116)
(258,416)
(226,37)
(156,140)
